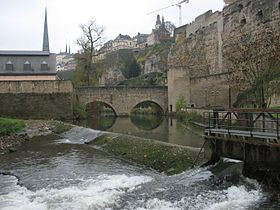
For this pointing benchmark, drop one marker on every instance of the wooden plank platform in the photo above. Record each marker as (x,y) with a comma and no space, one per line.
(254,134)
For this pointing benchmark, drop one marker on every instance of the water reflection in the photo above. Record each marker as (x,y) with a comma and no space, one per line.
(102,123)
(146,122)
(153,127)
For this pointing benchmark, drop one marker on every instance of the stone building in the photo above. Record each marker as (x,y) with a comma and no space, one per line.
(158,34)
(198,68)
(141,40)
(29,65)
(121,42)
(65,61)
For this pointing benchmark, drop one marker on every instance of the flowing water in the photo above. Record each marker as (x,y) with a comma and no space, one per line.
(148,126)
(51,173)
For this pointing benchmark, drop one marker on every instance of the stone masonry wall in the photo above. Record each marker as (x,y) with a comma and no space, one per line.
(36,99)
(123,99)
(200,48)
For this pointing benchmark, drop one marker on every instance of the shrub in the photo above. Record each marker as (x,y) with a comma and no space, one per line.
(10,126)
(181,104)
(79,111)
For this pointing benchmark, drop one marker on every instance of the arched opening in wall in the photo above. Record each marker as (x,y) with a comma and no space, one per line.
(99,108)
(100,116)
(147,115)
(279,6)
(147,108)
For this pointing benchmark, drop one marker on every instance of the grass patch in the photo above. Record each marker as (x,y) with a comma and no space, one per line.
(11,126)
(60,127)
(161,157)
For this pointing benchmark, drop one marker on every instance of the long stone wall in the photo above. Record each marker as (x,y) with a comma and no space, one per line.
(36,99)
(198,68)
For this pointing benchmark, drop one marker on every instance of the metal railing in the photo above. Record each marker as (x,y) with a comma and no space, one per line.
(262,124)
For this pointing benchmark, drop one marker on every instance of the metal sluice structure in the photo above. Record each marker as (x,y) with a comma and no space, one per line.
(257,124)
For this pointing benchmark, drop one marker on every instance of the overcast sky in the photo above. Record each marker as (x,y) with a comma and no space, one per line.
(21,21)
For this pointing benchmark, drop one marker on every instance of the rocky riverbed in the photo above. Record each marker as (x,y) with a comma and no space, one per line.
(33,129)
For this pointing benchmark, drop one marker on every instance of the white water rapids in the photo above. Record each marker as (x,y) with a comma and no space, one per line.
(66,174)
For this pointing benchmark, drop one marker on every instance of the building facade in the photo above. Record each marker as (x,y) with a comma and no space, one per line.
(158,34)
(29,65)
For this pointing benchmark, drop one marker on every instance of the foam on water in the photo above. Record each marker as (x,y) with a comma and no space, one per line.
(99,193)
(232,198)
(80,135)
(237,198)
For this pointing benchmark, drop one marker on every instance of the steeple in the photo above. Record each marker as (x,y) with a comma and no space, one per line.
(46,46)
(158,23)
(66,50)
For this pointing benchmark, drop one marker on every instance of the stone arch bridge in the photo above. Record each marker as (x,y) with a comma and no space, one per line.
(123,99)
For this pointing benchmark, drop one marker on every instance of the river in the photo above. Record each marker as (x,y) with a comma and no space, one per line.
(51,173)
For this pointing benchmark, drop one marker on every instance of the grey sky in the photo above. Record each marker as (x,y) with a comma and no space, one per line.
(21,21)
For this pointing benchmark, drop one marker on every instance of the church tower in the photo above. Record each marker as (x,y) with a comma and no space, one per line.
(158,23)
(46,46)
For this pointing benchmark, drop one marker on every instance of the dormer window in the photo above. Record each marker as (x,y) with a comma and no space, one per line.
(44,66)
(9,66)
(27,66)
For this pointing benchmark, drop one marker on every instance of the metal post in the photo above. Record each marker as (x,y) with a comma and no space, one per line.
(277,126)
(228,123)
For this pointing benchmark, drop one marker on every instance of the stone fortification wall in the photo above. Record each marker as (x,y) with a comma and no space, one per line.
(201,47)
(36,99)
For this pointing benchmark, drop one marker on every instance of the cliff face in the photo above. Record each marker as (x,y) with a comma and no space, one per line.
(199,56)
(152,60)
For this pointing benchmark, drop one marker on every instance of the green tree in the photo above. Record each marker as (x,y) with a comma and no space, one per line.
(132,69)
(181,104)
(129,65)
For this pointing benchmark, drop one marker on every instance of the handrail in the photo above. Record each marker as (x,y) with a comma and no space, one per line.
(256,123)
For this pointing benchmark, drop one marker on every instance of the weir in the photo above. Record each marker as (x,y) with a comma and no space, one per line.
(248,135)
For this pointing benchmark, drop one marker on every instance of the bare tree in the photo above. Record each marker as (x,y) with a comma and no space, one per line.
(170,27)
(90,41)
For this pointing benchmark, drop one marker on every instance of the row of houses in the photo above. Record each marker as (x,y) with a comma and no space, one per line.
(159,34)
(43,65)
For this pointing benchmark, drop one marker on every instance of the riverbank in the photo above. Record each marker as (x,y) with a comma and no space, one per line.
(29,130)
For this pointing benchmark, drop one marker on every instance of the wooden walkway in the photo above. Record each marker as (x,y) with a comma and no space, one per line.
(252,134)
(258,124)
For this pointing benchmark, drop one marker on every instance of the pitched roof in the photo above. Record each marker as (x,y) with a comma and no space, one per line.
(23,53)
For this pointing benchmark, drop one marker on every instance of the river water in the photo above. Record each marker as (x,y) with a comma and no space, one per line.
(51,173)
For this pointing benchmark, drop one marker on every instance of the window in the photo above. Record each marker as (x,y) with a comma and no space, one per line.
(9,66)
(27,66)
(243,21)
(44,66)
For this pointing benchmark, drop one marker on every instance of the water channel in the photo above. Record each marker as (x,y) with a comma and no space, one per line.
(65,173)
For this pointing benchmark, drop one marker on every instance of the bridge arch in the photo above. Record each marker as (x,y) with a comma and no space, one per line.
(90,106)
(147,102)
(123,99)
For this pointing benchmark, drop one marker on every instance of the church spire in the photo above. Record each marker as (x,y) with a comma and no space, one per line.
(46,46)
